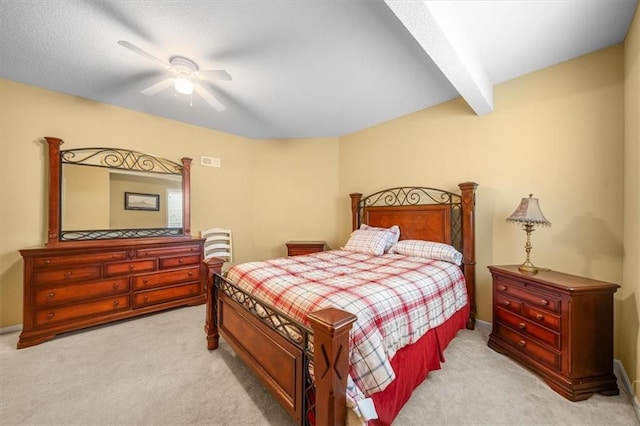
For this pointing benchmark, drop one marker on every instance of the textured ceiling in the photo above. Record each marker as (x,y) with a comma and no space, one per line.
(299,68)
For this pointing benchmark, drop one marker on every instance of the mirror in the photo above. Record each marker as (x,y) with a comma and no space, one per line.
(111,193)
(102,198)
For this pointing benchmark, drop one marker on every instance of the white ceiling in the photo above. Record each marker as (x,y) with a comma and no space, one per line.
(300,68)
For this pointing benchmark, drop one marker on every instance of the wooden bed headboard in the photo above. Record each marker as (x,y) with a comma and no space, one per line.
(429,214)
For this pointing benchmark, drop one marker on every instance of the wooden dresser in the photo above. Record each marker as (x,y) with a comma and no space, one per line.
(560,326)
(71,288)
(298,248)
(109,256)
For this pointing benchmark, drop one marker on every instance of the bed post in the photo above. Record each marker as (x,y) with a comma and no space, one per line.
(355,213)
(469,245)
(210,267)
(331,363)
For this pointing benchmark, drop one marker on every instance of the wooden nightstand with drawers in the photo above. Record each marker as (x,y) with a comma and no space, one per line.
(297,248)
(559,326)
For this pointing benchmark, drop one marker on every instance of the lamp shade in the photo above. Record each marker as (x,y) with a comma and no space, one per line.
(529,212)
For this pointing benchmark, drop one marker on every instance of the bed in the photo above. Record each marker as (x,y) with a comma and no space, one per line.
(308,352)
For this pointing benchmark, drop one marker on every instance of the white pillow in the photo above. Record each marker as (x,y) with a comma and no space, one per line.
(428,250)
(394,232)
(368,242)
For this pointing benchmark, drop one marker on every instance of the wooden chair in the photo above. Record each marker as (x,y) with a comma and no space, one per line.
(217,243)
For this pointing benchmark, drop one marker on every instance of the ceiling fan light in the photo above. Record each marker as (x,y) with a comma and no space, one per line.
(184,85)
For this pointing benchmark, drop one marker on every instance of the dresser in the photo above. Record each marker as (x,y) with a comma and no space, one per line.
(298,248)
(67,288)
(118,244)
(559,326)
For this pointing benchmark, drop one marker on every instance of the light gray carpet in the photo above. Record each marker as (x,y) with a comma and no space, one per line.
(156,370)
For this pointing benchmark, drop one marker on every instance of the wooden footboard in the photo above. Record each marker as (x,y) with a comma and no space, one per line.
(280,351)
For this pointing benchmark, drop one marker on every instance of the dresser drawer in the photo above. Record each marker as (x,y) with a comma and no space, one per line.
(133,266)
(147,298)
(56,261)
(508,303)
(541,317)
(172,262)
(515,289)
(526,345)
(528,328)
(141,282)
(81,291)
(70,312)
(77,273)
(171,251)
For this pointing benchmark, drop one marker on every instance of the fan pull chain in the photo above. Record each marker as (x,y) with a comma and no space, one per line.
(191,101)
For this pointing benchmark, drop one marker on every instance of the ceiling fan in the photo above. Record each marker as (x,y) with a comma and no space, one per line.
(186,76)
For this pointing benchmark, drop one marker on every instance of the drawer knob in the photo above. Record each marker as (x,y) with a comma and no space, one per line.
(145,281)
(116,285)
(545,302)
(190,289)
(132,266)
(503,288)
(116,303)
(190,273)
(522,343)
(522,326)
(507,303)
(180,260)
(67,274)
(539,317)
(50,295)
(145,298)
(50,315)
(48,261)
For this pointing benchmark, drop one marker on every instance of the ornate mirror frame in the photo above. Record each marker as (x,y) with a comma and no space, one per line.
(112,158)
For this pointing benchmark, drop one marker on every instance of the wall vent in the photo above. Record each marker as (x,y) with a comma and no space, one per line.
(210,162)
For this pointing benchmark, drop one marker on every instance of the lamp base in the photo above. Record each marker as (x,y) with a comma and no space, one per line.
(527,267)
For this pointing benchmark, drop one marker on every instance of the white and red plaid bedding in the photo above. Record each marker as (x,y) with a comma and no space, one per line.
(396,298)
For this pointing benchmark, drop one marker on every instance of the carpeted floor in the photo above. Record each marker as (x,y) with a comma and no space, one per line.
(156,370)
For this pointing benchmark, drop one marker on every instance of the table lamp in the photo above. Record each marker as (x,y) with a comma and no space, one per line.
(528,213)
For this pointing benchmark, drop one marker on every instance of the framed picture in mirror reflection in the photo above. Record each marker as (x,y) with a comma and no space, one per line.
(138,201)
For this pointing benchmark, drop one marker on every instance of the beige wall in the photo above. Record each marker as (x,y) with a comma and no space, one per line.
(556,133)
(238,195)
(630,294)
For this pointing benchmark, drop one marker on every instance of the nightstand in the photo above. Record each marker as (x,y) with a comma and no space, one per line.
(559,326)
(297,248)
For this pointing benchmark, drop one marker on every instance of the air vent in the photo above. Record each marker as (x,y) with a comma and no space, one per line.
(210,162)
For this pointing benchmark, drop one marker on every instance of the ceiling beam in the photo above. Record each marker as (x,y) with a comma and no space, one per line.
(443,39)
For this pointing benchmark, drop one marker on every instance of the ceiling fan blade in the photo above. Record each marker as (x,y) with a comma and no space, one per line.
(141,52)
(213,74)
(158,87)
(211,100)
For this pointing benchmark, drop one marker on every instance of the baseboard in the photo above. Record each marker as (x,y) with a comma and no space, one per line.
(621,373)
(484,324)
(10,329)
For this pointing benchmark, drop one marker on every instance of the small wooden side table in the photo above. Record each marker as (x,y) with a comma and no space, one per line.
(298,248)
(560,326)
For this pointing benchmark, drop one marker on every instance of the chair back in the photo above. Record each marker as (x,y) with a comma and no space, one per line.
(217,243)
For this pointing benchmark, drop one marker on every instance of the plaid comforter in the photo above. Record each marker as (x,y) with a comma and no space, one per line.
(396,298)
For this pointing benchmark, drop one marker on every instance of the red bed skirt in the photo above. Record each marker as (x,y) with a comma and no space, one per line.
(412,364)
